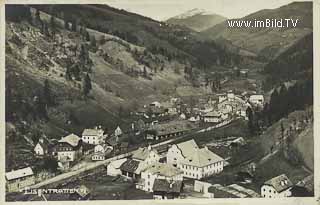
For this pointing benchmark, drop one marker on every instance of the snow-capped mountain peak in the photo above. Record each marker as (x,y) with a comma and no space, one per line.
(191,13)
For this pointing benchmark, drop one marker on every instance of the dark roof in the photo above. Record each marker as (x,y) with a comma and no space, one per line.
(45,143)
(87,146)
(220,194)
(163,185)
(130,165)
(299,191)
(112,141)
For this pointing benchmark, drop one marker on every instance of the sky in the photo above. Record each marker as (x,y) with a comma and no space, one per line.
(164,9)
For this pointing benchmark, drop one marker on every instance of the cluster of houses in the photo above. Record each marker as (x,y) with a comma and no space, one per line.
(163,174)
(216,109)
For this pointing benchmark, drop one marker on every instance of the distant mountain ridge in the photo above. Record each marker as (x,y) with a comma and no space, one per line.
(267,42)
(197,19)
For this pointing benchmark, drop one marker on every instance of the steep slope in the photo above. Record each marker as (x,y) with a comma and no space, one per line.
(196,19)
(172,41)
(124,77)
(267,42)
(295,63)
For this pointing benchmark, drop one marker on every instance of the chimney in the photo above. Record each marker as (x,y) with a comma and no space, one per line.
(149,147)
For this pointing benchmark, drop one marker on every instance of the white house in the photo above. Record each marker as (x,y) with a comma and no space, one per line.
(42,147)
(69,148)
(158,171)
(140,159)
(146,155)
(93,136)
(257,100)
(19,179)
(100,152)
(113,168)
(155,104)
(277,187)
(195,162)
(213,117)
(118,131)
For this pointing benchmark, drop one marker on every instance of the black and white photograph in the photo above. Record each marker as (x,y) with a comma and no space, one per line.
(159,100)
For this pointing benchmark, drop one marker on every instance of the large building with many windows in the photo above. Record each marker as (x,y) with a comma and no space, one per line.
(93,136)
(195,162)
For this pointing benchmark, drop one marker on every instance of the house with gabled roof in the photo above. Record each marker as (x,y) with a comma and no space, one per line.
(43,147)
(93,136)
(69,148)
(16,180)
(277,187)
(140,159)
(158,171)
(195,162)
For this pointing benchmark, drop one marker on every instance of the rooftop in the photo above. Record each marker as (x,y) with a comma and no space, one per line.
(71,139)
(187,147)
(279,183)
(92,132)
(162,169)
(202,157)
(171,127)
(142,153)
(16,174)
(130,165)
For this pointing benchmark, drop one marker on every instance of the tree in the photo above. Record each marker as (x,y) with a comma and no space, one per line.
(93,42)
(47,94)
(251,124)
(74,25)
(86,85)
(50,164)
(53,23)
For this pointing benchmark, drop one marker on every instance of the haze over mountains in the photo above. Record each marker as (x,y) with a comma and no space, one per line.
(197,19)
(267,42)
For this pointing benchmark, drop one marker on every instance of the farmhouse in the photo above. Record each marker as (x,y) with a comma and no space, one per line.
(158,171)
(93,136)
(69,148)
(195,162)
(19,179)
(277,187)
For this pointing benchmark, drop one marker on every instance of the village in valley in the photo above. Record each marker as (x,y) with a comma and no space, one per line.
(224,140)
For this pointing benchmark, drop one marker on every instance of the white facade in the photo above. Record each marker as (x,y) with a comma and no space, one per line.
(93,136)
(148,176)
(196,172)
(268,191)
(38,149)
(174,155)
(113,169)
(257,99)
(195,163)
(67,155)
(118,131)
